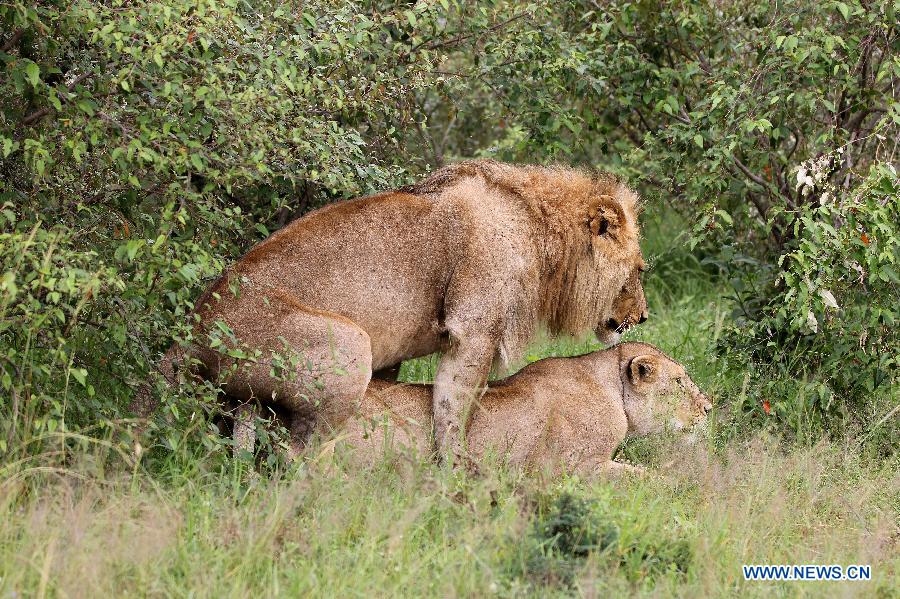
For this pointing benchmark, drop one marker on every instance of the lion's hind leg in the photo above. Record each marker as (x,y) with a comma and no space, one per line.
(314,364)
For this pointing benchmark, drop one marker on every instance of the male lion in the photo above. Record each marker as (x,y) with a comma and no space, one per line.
(469,262)
(562,413)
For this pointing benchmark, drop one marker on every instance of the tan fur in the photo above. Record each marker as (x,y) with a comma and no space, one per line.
(629,307)
(470,262)
(563,413)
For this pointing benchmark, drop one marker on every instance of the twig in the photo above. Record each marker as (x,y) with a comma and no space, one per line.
(39,114)
(433,44)
(753,176)
(13,40)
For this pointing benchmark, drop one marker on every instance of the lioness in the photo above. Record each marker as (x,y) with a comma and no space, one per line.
(565,413)
(469,262)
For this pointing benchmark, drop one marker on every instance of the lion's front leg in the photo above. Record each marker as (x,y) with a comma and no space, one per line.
(461,376)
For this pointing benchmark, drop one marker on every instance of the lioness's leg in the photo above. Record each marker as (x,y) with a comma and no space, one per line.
(615,469)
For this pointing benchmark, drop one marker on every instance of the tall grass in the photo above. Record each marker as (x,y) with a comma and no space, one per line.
(410,529)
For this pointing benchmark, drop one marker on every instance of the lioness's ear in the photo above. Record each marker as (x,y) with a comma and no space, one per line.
(605,217)
(643,369)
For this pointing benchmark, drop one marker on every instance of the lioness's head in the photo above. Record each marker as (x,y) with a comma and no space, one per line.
(658,394)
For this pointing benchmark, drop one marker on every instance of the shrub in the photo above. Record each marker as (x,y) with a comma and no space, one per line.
(826,313)
(774,133)
(567,529)
(144,145)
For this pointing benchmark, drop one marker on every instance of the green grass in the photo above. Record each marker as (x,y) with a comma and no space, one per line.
(201,525)
(405,528)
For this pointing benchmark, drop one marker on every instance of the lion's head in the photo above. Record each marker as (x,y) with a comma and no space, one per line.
(658,395)
(628,308)
(592,253)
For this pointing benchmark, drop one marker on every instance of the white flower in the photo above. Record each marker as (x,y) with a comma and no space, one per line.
(801,177)
(812,322)
(828,299)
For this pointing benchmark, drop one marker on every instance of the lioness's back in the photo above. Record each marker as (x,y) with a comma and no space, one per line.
(391,414)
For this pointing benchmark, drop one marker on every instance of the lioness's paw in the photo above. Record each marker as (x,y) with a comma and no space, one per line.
(617,469)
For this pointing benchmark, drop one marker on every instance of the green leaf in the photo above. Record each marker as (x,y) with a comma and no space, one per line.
(844,9)
(80,375)
(8,145)
(698,139)
(133,246)
(32,73)
(725,216)
(86,106)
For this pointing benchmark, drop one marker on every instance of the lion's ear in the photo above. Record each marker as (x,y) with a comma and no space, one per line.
(605,218)
(643,369)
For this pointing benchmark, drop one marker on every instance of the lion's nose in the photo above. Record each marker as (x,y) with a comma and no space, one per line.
(643,318)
